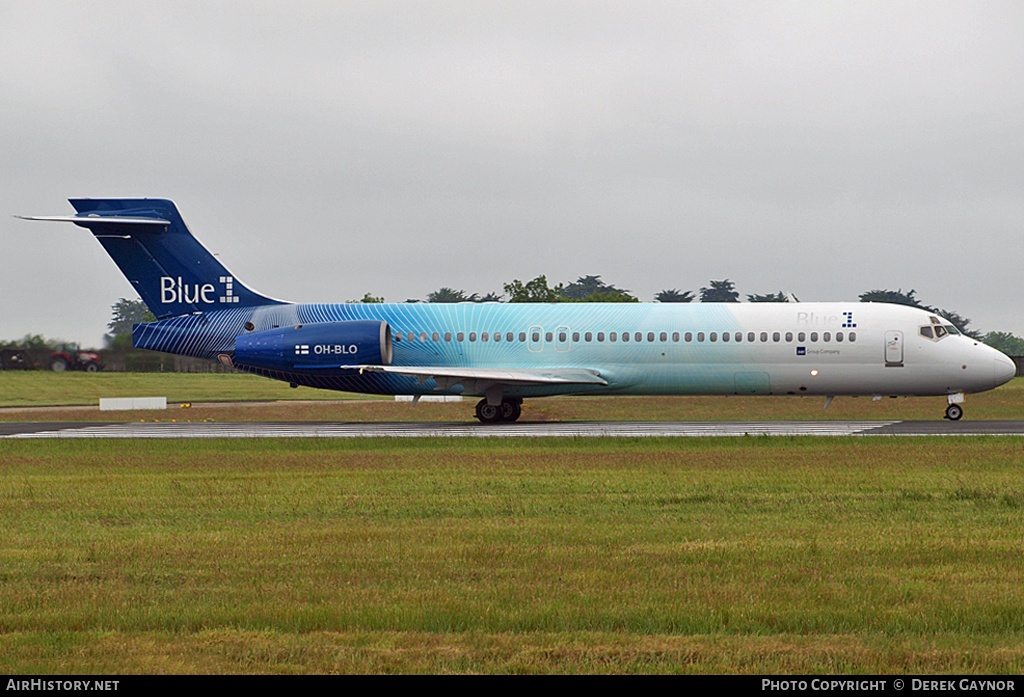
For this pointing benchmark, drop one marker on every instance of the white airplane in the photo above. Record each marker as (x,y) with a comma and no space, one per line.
(507,352)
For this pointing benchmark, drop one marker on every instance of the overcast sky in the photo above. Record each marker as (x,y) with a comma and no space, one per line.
(328,149)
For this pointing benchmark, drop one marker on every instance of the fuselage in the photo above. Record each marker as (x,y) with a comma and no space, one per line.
(638,349)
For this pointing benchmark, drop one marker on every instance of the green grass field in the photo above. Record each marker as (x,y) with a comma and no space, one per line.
(750,555)
(44,388)
(757,555)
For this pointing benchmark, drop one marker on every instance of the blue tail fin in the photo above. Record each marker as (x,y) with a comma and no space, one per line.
(172,272)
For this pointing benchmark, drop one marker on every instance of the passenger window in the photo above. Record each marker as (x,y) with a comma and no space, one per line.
(497,336)
(483,336)
(675,337)
(801,337)
(776,337)
(663,337)
(739,336)
(447,336)
(548,336)
(411,336)
(472,336)
(638,337)
(814,336)
(575,336)
(522,337)
(789,336)
(600,336)
(588,336)
(700,336)
(423,336)
(398,337)
(650,336)
(613,336)
(725,336)
(460,336)
(625,336)
(536,337)
(839,336)
(751,337)
(562,336)
(688,337)
(713,336)
(764,337)
(853,336)
(827,336)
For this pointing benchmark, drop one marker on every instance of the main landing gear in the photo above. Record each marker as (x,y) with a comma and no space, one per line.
(508,411)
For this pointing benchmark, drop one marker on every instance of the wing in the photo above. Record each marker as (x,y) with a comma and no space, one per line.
(474,379)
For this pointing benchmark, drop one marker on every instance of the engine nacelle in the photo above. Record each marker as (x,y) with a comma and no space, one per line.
(316,347)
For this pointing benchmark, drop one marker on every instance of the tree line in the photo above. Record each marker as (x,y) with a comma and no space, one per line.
(584,289)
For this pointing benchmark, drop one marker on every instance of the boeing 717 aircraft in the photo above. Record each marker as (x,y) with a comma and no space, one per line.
(506,353)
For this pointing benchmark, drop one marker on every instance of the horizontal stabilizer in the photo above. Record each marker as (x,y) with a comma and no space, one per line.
(87,220)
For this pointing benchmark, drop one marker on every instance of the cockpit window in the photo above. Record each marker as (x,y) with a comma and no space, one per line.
(937,331)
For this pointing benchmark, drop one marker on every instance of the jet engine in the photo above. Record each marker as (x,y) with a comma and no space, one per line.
(316,347)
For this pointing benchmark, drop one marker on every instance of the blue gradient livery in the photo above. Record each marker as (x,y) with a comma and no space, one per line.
(507,352)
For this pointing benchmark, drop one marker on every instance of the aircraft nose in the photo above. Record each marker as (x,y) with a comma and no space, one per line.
(1003,369)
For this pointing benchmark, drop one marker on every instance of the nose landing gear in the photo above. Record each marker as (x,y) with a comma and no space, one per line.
(508,411)
(954,412)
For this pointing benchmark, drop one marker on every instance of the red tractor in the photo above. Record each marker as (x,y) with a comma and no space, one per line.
(69,357)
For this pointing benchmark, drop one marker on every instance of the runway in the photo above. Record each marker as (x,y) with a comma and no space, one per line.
(620,429)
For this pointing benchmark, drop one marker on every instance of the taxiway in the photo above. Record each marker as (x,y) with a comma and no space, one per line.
(616,429)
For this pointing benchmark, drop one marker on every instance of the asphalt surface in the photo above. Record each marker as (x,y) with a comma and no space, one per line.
(523,430)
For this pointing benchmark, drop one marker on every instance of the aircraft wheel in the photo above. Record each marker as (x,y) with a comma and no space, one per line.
(511,410)
(488,413)
(954,412)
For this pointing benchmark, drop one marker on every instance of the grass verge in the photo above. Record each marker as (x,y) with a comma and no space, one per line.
(47,389)
(749,555)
